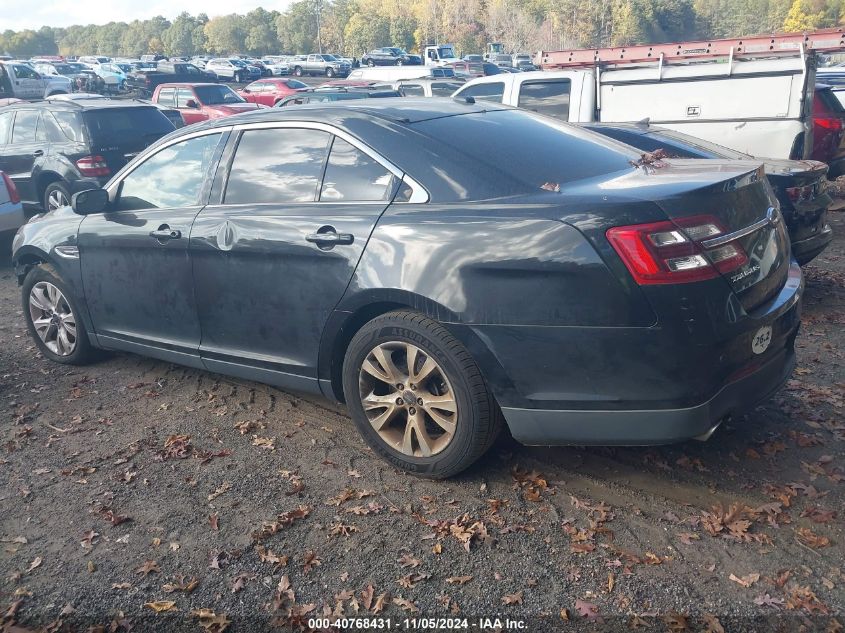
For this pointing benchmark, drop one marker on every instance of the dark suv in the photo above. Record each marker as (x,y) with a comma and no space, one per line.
(53,149)
(387,56)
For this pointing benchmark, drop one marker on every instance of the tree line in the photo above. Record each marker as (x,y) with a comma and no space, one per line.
(352,27)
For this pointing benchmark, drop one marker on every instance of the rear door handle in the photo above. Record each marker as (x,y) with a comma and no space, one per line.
(326,237)
(165,234)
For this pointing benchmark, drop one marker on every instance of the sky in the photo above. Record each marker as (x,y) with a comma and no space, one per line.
(25,14)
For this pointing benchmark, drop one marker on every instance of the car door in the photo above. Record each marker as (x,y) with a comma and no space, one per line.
(193,114)
(18,156)
(135,263)
(275,254)
(28,83)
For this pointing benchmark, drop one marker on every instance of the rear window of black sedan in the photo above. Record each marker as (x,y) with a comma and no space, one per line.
(536,150)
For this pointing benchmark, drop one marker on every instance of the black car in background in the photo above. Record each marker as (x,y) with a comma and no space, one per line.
(387,56)
(146,81)
(379,253)
(52,149)
(798,184)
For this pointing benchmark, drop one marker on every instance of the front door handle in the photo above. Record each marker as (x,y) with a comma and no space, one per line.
(165,234)
(327,238)
(38,152)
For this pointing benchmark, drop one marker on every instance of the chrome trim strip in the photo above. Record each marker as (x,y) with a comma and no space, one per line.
(69,252)
(771,218)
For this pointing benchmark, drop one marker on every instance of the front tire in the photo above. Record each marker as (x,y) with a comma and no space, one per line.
(298,71)
(56,195)
(52,318)
(370,63)
(417,396)
(329,73)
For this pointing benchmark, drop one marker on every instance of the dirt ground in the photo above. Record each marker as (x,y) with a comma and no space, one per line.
(138,495)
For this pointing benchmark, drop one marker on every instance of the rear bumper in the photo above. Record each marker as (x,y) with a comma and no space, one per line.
(549,427)
(809,248)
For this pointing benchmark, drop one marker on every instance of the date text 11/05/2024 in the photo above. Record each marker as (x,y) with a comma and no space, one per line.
(423,623)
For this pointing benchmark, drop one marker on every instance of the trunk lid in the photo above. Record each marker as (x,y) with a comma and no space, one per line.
(720,204)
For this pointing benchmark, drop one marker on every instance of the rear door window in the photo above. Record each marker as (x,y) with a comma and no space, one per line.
(70,125)
(442,89)
(49,130)
(6,126)
(166,96)
(352,175)
(546,97)
(183,95)
(277,166)
(413,90)
(26,124)
(485,92)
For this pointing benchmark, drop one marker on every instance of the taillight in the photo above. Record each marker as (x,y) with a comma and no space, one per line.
(14,196)
(828,123)
(93,166)
(800,194)
(671,252)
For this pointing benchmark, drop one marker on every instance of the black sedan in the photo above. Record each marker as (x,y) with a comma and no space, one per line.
(387,56)
(799,184)
(381,253)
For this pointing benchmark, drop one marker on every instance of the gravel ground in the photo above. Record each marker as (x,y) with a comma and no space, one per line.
(133,485)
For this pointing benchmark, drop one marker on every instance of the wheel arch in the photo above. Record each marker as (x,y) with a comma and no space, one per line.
(45,178)
(26,258)
(352,315)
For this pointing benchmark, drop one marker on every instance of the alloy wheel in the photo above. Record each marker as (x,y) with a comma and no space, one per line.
(52,318)
(56,200)
(408,399)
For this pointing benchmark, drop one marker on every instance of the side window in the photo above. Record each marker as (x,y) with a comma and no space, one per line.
(277,165)
(486,92)
(70,125)
(25,124)
(442,89)
(24,72)
(166,97)
(546,97)
(171,178)
(6,126)
(413,90)
(183,95)
(49,130)
(351,175)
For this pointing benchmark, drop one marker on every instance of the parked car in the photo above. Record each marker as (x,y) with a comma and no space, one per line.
(200,102)
(112,74)
(386,56)
(232,69)
(276,66)
(270,91)
(828,129)
(168,72)
(573,296)
(326,96)
(56,148)
(397,73)
(314,65)
(468,70)
(21,81)
(799,185)
(473,58)
(172,114)
(12,216)
(93,60)
(427,87)
(79,76)
(522,61)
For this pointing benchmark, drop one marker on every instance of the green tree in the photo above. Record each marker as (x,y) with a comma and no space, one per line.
(296,28)
(178,38)
(225,34)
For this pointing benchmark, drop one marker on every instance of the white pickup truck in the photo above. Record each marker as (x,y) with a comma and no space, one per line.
(20,81)
(753,94)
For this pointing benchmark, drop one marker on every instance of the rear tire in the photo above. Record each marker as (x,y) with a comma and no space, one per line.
(329,73)
(298,71)
(444,423)
(370,63)
(52,318)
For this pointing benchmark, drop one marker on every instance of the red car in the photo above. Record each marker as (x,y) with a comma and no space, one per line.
(828,125)
(200,102)
(271,90)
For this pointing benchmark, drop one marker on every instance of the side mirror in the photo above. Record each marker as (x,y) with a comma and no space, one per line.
(191,104)
(90,201)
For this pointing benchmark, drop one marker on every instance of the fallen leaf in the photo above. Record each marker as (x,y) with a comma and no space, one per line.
(767,601)
(407,560)
(512,598)
(406,604)
(587,610)
(210,621)
(212,521)
(34,564)
(811,539)
(458,580)
(147,568)
(745,581)
(161,605)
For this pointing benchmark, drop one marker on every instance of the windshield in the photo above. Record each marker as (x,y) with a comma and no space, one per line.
(217,95)
(238,62)
(77,67)
(296,85)
(446,52)
(329,58)
(124,67)
(64,69)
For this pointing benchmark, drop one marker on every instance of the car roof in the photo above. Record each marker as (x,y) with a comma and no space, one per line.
(83,104)
(187,84)
(405,110)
